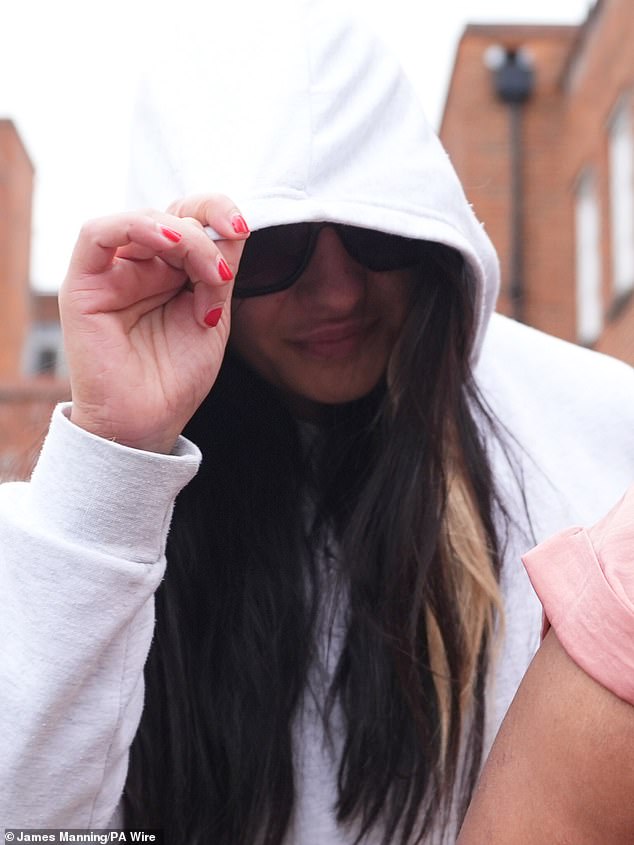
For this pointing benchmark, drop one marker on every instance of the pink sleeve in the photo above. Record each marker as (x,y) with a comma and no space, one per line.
(585,582)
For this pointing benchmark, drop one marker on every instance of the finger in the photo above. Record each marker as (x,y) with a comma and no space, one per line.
(136,252)
(190,251)
(221,214)
(193,220)
(215,210)
(203,260)
(211,310)
(100,239)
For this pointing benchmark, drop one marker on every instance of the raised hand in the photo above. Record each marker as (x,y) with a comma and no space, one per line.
(145,310)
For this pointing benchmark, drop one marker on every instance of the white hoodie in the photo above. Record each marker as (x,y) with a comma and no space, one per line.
(307,121)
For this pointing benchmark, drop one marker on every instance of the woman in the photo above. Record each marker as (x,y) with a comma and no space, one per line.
(344,619)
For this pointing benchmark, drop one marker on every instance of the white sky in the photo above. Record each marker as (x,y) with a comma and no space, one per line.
(68,71)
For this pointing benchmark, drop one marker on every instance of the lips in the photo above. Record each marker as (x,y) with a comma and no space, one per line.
(333,340)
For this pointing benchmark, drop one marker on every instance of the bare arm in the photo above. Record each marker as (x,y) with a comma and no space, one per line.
(562,767)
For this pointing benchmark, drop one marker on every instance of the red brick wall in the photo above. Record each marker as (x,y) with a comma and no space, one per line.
(476,132)
(44,308)
(580,74)
(25,404)
(600,72)
(16,186)
(25,409)
(549,218)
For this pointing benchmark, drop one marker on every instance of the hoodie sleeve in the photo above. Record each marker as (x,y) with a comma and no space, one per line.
(82,551)
(585,581)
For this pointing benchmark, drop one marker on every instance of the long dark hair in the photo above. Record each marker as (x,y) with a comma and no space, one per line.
(394,495)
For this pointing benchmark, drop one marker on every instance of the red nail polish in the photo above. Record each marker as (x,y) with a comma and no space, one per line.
(225,273)
(212,318)
(171,234)
(239,225)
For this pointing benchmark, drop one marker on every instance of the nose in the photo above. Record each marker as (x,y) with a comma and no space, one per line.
(333,281)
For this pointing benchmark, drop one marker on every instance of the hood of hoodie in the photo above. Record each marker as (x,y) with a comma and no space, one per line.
(298,112)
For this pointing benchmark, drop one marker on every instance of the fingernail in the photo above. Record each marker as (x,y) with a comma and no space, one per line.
(212,318)
(223,268)
(239,225)
(170,234)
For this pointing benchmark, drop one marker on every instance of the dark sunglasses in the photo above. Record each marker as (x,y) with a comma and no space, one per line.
(275,257)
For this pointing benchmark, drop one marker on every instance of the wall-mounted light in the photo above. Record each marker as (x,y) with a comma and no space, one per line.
(514,77)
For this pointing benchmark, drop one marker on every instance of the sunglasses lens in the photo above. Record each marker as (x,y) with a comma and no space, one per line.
(379,251)
(274,257)
(271,257)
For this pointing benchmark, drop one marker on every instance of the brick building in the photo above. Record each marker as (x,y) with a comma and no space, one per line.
(31,370)
(539,123)
(16,189)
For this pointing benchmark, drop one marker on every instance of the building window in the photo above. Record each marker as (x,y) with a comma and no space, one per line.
(46,361)
(588,260)
(622,198)
(43,353)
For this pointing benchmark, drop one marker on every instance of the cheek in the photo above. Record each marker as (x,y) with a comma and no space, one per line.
(394,295)
(254,329)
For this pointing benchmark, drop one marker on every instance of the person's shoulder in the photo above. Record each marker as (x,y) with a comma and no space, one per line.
(517,357)
(572,412)
(560,398)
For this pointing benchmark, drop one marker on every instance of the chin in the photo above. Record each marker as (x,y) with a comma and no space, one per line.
(311,397)
(340,390)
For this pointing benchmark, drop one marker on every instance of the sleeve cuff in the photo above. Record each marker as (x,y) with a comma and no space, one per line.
(591,614)
(114,498)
